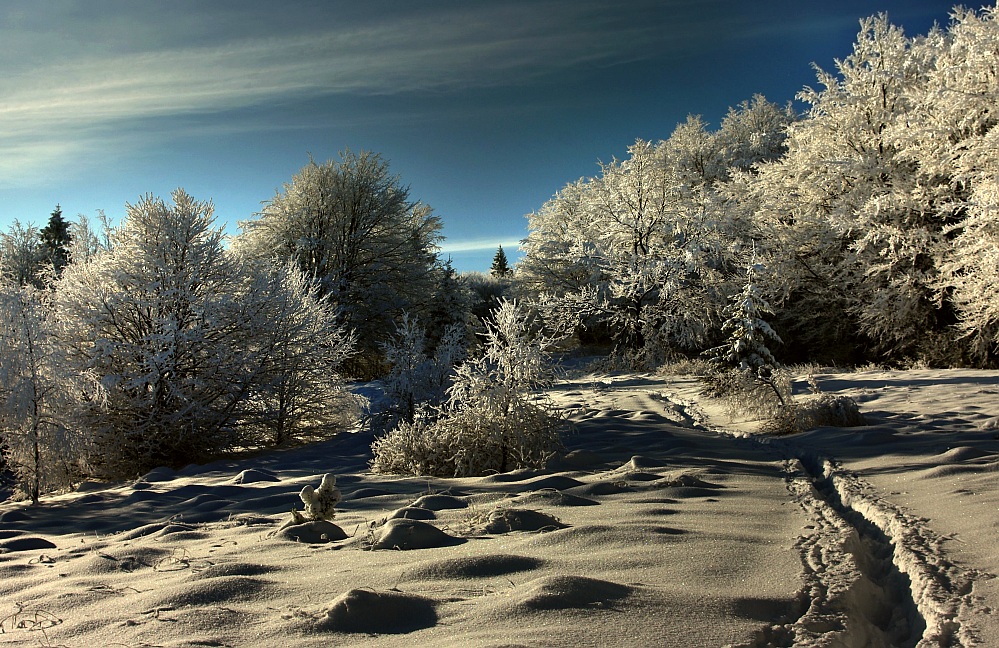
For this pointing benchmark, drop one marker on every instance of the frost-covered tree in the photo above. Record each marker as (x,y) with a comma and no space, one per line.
(352,226)
(866,220)
(320,503)
(22,258)
(152,317)
(195,354)
(450,307)
(857,226)
(84,240)
(647,248)
(291,334)
(753,133)
(971,275)
(516,361)
(37,394)
(420,376)
(406,353)
(749,334)
(606,241)
(950,133)
(746,373)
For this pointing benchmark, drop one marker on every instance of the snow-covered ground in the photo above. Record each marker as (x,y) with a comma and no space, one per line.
(665,525)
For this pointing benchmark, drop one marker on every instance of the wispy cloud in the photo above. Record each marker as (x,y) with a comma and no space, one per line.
(478,245)
(67,102)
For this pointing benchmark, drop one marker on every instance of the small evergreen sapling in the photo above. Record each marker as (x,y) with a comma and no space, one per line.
(749,334)
(747,374)
(319,503)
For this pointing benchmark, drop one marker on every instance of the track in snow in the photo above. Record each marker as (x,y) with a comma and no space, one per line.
(873,575)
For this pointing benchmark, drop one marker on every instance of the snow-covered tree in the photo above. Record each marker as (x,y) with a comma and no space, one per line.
(22,258)
(320,503)
(406,353)
(746,373)
(749,334)
(352,226)
(950,133)
(152,318)
(647,248)
(291,334)
(516,361)
(857,225)
(196,354)
(84,240)
(450,307)
(37,394)
(753,133)
(872,223)
(420,376)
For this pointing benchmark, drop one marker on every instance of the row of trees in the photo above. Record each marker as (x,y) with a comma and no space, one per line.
(154,343)
(870,220)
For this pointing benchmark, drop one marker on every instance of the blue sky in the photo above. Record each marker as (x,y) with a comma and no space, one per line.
(485,109)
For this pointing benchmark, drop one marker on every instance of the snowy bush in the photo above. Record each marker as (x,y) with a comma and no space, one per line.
(491,421)
(748,395)
(419,378)
(827,410)
(470,441)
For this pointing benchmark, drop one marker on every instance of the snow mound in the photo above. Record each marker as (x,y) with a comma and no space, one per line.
(315,532)
(474,567)
(508,520)
(406,534)
(563,592)
(379,612)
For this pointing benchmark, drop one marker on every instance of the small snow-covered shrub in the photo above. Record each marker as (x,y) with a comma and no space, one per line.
(490,422)
(683,366)
(470,442)
(827,410)
(755,396)
(813,411)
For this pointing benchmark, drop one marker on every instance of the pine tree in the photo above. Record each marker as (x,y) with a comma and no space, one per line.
(749,334)
(56,239)
(500,267)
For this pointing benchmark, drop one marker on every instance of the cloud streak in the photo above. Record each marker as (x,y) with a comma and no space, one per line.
(84,98)
(478,245)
